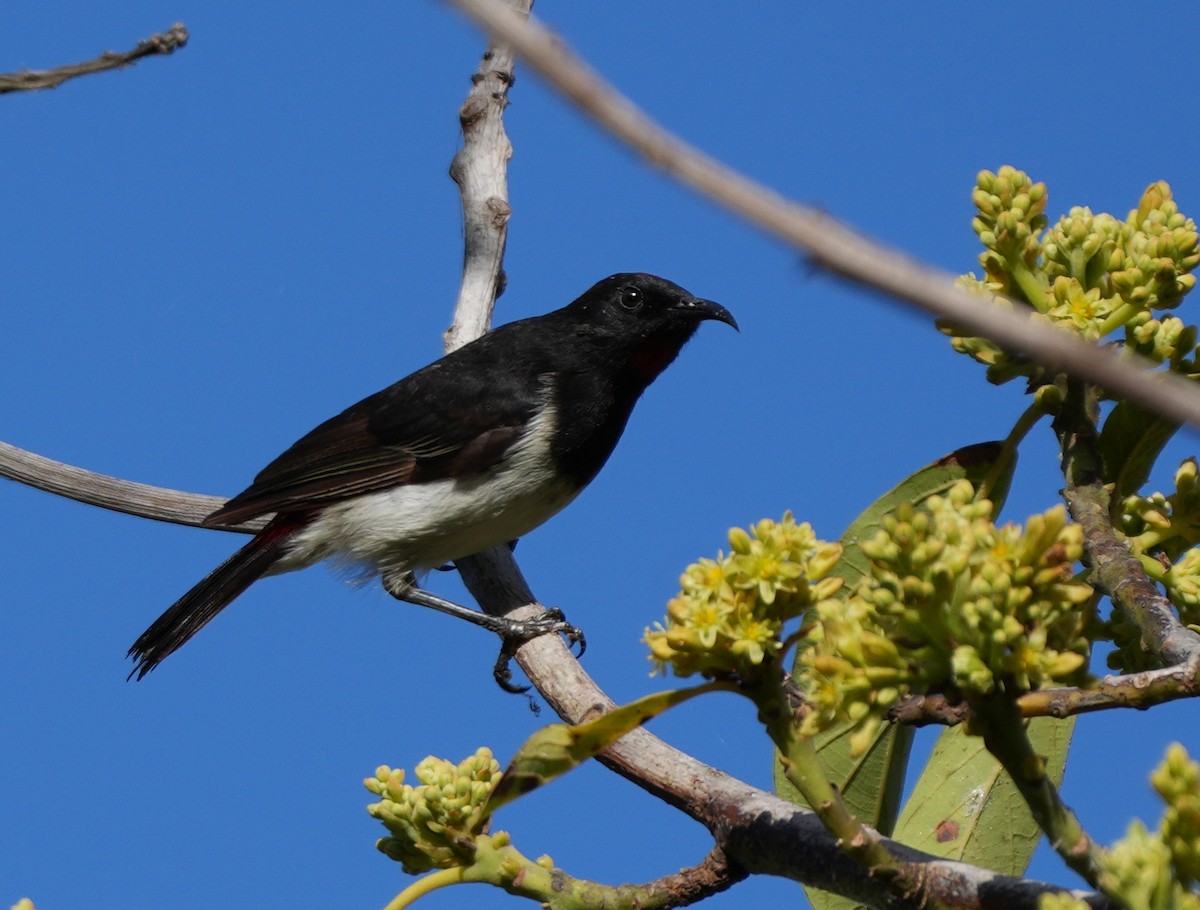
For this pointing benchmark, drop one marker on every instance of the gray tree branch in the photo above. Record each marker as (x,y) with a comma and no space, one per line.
(156,45)
(140,499)
(481,171)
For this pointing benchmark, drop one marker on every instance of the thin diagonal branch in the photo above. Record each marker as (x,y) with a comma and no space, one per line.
(830,244)
(156,45)
(140,499)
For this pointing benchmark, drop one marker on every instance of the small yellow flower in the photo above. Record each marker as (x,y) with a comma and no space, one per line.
(728,618)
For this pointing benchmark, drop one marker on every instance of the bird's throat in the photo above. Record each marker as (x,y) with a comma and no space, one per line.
(652,357)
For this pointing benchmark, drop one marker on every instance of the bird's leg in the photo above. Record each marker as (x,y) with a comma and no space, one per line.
(514,632)
(520,629)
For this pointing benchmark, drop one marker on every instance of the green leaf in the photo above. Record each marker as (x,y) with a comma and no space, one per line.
(965,807)
(554,750)
(974,463)
(873,782)
(1130,442)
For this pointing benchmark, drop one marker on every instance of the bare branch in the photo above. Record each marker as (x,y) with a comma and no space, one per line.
(1120,575)
(1115,569)
(481,171)
(140,499)
(714,874)
(1132,690)
(156,45)
(830,244)
(922,710)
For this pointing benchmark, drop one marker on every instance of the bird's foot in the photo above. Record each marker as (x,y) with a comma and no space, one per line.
(551,621)
(524,630)
(513,632)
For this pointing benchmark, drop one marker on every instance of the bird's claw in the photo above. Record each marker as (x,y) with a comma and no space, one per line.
(547,623)
(502,672)
(573,634)
(519,631)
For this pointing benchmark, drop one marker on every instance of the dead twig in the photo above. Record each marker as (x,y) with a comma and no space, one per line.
(156,45)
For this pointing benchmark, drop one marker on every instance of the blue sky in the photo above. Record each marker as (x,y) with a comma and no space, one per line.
(208,254)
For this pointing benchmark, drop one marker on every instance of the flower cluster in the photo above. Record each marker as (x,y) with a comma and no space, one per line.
(728,617)
(1165,340)
(1091,274)
(1011,215)
(1166,524)
(434,825)
(951,603)
(1177,781)
(1165,531)
(1156,870)
(1138,870)
(1182,584)
(1153,268)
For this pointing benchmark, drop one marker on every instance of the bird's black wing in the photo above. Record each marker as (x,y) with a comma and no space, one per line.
(454,418)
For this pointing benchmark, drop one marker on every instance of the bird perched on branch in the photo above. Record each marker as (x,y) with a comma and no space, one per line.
(474,450)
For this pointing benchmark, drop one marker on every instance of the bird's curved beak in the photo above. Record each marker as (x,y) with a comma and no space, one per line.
(699,308)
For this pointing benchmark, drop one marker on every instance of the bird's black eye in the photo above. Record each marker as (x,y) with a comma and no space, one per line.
(631,298)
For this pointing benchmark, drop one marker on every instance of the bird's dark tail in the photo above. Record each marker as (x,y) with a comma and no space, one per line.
(197,607)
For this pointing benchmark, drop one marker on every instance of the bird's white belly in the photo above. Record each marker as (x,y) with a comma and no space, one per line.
(424,525)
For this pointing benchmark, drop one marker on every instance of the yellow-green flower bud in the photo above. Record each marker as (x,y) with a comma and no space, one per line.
(1177,781)
(1138,869)
(739,540)
(1090,273)
(729,614)
(433,824)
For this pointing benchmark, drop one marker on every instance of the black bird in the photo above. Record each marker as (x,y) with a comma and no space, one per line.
(474,450)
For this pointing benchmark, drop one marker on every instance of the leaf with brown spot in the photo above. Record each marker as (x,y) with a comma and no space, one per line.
(964,806)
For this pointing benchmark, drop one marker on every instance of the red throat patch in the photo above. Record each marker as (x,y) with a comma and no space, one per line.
(652,358)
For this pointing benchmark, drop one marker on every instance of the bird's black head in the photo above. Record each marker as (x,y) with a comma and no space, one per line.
(649,319)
